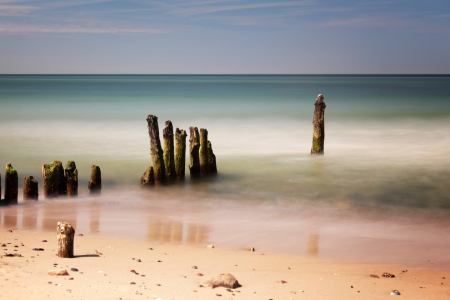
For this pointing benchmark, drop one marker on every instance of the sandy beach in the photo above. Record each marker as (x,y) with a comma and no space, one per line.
(165,270)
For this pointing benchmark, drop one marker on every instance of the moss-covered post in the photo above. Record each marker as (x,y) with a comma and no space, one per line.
(180,153)
(169,151)
(203,152)
(71,179)
(60,177)
(50,180)
(318,126)
(194,146)
(148,179)
(30,188)
(95,185)
(11,185)
(155,150)
(212,167)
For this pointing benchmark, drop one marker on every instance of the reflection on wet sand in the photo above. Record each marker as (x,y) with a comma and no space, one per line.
(94,220)
(10,218)
(30,218)
(197,233)
(172,231)
(57,211)
(312,246)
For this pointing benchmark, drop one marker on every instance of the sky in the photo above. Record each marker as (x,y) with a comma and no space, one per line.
(225,37)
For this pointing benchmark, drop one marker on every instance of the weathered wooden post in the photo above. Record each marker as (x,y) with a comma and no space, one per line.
(60,177)
(30,188)
(11,185)
(194,146)
(169,150)
(51,179)
(95,185)
(71,179)
(212,167)
(148,179)
(318,126)
(180,153)
(156,151)
(203,152)
(66,235)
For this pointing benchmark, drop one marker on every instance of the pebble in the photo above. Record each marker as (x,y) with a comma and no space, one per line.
(158,284)
(80,234)
(159,261)
(38,249)
(71,278)
(139,260)
(395,292)
(132,282)
(194,267)
(9,230)
(220,295)
(199,274)
(74,269)
(210,247)
(44,241)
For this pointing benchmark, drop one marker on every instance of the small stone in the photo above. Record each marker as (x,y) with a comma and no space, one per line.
(74,269)
(159,261)
(9,230)
(388,275)
(38,249)
(71,278)
(44,241)
(133,258)
(133,271)
(158,284)
(132,282)
(374,276)
(80,234)
(200,285)
(395,292)
(443,277)
(194,267)
(199,274)
(195,291)
(210,246)
(220,295)
(283,282)
(142,275)
(138,260)
(251,249)
(150,248)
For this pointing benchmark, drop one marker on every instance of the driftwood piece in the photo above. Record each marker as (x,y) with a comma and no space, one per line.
(226,280)
(30,188)
(11,185)
(95,185)
(148,179)
(318,126)
(212,167)
(194,146)
(180,153)
(66,235)
(156,151)
(169,151)
(71,179)
(203,152)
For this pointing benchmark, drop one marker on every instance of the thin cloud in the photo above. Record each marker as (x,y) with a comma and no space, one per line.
(16,10)
(365,22)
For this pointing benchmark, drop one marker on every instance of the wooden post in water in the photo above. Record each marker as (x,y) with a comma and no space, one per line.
(71,179)
(318,126)
(95,185)
(156,151)
(61,178)
(169,151)
(49,180)
(194,146)
(203,152)
(30,188)
(212,167)
(66,235)
(180,153)
(148,179)
(11,185)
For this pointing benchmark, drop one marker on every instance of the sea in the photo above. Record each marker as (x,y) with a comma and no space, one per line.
(380,192)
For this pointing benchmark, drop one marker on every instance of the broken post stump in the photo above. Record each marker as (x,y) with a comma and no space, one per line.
(11,185)
(30,188)
(203,152)
(212,167)
(156,151)
(66,235)
(169,156)
(95,185)
(71,179)
(194,147)
(318,126)
(180,153)
(148,179)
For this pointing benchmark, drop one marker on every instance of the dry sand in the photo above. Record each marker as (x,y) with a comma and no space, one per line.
(262,275)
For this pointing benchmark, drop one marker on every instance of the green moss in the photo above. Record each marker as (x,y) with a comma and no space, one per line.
(52,176)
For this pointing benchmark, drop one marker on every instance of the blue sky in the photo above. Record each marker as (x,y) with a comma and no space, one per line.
(220,37)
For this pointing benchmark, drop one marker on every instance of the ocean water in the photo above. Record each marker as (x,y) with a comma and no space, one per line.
(387,157)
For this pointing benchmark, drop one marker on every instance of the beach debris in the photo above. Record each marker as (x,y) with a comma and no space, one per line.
(443,277)
(139,260)
(220,295)
(158,284)
(283,281)
(148,179)
(156,297)
(351,286)
(159,261)
(58,272)
(156,151)
(150,248)
(3,245)
(74,269)
(195,291)
(10,231)
(210,246)
(169,151)
(11,185)
(12,255)
(374,276)
(80,234)
(180,153)
(97,252)
(66,236)
(133,271)
(38,249)
(388,275)
(251,249)
(132,282)
(95,185)
(30,188)
(199,274)
(71,179)
(318,126)
(395,292)
(71,278)
(194,146)
(194,267)
(44,241)
(225,279)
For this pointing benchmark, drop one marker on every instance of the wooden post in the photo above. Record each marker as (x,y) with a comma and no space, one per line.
(148,179)
(30,188)
(212,167)
(66,235)
(194,146)
(156,151)
(72,179)
(203,152)
(95,185)
(61,179)
(180,153)
(169,158)
(318,126)
(11,185)
(51,177)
